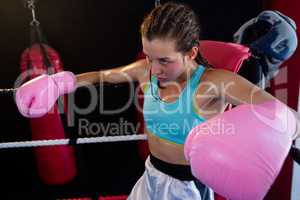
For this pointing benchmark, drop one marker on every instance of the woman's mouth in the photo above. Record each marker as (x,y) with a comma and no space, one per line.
(161,78)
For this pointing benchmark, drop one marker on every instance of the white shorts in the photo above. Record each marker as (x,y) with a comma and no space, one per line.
(156,185)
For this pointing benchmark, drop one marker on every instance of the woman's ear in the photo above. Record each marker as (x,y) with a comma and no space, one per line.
(192,54)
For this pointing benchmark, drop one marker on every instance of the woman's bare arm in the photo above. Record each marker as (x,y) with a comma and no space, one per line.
(237,90)
(127,73)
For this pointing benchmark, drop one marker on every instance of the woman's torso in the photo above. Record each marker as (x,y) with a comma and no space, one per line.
(208,104)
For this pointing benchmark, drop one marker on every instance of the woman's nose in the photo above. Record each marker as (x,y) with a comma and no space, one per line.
(156,69)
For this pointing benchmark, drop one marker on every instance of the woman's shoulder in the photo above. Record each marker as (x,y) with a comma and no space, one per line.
(143,73)
(139,69)
(218,75)
(214,82)
(140,65)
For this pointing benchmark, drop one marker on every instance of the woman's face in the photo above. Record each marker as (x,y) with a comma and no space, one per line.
(166,63)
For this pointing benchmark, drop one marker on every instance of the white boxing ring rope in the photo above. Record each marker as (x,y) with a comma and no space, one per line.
(86,140)
(52,142)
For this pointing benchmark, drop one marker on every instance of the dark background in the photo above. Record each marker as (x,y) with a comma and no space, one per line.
(89,35)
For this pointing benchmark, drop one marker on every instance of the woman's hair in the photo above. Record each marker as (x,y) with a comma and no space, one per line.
(176,22)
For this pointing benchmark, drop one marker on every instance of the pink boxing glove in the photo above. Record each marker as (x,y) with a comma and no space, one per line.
(37,96)
(239,153)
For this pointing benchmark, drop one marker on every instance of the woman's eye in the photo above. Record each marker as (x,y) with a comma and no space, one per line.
(164,62)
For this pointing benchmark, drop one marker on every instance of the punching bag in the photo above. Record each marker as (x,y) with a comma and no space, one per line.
(272,39)
(55,164)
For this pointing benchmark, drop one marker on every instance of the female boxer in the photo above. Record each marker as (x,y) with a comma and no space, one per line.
(180,90)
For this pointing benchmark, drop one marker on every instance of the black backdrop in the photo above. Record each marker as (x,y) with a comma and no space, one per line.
(89,35)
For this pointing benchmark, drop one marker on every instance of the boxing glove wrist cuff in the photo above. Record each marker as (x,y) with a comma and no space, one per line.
(65,81)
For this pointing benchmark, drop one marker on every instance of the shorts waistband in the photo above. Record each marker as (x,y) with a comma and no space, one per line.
(181,172)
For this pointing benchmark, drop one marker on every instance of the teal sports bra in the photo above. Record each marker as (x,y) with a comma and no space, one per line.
(172,121)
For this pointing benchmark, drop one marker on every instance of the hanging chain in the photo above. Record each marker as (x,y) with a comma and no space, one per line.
(31,6)
(157,3)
